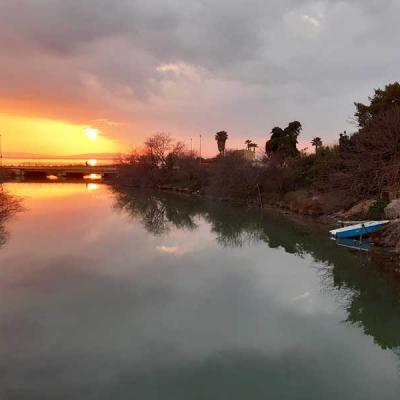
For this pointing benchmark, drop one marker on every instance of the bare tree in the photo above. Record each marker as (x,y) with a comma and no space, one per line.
(157,148)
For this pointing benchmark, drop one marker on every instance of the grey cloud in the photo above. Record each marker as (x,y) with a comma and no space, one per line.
(276,60)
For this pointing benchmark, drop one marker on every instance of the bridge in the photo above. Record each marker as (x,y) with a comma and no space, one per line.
(61,172)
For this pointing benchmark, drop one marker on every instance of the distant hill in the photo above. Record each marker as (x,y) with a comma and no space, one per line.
(86,156)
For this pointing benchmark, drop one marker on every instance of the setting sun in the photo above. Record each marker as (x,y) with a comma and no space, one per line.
(92,133)
(53,137)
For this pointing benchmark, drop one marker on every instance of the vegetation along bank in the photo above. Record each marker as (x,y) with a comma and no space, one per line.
(355,179)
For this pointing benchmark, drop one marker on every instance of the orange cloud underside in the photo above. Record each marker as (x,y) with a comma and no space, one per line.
(52,137)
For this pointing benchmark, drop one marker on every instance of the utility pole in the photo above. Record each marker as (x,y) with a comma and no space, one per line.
(200,147)
(191,147)
(1,150)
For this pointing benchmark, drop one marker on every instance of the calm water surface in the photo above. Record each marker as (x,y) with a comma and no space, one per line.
(149,296)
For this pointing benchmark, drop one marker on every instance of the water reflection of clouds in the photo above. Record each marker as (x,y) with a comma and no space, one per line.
(343,275)
(303,296)
(168,249)
(172,321)
(128,319)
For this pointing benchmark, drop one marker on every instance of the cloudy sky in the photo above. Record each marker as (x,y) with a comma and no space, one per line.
(130,68)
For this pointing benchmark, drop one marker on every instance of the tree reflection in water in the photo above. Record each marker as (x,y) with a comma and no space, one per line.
(9,205)
(157,213)
(370,301)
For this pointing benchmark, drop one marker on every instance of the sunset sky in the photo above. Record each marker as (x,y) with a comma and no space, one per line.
(130,68)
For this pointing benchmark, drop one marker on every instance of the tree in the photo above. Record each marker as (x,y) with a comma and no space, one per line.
(234,176)
(250,145)
(273,145)
(371,160)
(317,143)
(221,138)
(177,152)
(383,100)
(283,142)
(344,142)
(157,148)
(253,146)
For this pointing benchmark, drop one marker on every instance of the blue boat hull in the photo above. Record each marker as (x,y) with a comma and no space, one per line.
(359,232)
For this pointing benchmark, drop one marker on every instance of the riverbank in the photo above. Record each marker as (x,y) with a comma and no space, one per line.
(383,258)
(384,244)
(303,206)
(354,179)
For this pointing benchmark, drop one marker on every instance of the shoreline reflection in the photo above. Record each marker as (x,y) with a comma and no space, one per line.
(9,206)
(353,278)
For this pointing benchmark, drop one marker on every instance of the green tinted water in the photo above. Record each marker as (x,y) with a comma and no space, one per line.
(153,296)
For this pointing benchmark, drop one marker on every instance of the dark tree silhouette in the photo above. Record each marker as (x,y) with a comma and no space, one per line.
(250,145)
(253,146)
(221,138)
(370,162)
(382,100)
(283,142)
(317,143)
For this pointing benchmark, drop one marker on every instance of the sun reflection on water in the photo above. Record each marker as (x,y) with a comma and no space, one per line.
(41,191)
(92,186)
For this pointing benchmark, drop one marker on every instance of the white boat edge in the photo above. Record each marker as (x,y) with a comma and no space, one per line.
(358,226)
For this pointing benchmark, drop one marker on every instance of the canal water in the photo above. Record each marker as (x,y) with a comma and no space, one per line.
(141,295)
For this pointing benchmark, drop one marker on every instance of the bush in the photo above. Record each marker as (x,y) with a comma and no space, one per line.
(377,210)
(235,177)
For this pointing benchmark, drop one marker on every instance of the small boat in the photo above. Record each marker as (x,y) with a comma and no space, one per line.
(358,230)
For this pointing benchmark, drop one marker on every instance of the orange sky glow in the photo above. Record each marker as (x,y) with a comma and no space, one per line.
(131,69)
(53,137)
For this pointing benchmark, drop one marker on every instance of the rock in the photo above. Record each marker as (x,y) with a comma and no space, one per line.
(391,236)
(360,210)
(392,211)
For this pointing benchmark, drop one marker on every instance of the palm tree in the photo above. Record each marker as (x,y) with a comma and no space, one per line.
(221,138)
(317,143)
(253,146)
(248,143)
